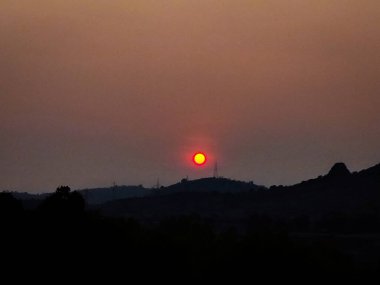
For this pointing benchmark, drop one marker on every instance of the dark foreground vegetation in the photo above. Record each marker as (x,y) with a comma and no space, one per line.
(62,237)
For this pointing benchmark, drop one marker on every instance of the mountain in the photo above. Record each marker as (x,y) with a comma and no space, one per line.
(220,199)
(210,184)
(102,195)
(339,194)
(29,196)
(330,224)
(94,196)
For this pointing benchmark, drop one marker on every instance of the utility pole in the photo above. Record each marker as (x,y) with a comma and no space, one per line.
(216,175)
(158,183)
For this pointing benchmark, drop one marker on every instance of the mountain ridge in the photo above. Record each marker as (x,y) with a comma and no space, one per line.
(338,177)
(339,191)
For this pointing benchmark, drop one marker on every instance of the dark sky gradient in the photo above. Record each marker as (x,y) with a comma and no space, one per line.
(98,91)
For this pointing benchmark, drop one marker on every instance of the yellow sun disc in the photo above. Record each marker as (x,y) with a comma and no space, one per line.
(199,158)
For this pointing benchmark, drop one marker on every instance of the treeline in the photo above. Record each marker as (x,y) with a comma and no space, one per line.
(61,236)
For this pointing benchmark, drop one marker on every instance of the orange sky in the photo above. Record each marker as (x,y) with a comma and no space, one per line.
(96,91)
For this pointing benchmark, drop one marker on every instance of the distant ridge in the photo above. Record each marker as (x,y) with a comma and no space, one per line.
(102,195)
(95,196)
(339,191)
(337,181)
(210,184)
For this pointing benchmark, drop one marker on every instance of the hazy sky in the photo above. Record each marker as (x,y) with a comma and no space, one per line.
(97,91)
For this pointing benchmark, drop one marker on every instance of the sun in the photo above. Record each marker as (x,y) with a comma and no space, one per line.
(199,158)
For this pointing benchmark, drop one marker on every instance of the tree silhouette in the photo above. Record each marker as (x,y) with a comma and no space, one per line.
(64,203)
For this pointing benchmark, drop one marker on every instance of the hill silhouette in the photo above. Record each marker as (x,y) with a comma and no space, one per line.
(349,194)
(337,191)
(95,196)
(213,228)
(226,201)
(209,184)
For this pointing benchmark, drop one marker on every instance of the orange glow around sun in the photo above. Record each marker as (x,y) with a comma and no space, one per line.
(199,158)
